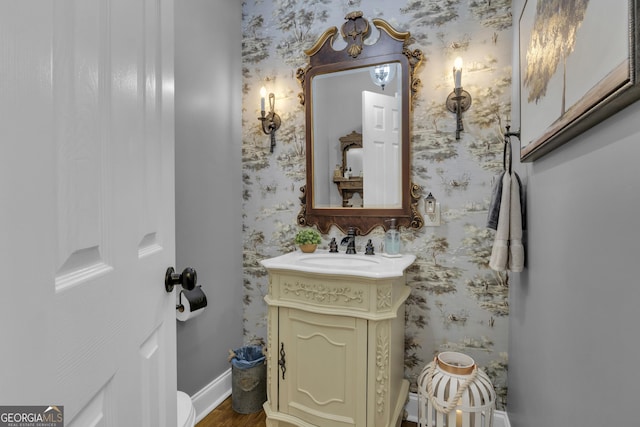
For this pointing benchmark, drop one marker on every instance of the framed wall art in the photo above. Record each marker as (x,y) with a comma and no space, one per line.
(577,67)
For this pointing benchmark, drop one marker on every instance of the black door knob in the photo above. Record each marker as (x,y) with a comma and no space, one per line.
(188,279)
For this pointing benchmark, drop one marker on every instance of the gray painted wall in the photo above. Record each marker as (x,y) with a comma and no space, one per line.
(574,344)
(208,181)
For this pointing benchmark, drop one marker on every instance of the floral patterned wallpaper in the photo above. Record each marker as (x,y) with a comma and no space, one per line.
(457,303)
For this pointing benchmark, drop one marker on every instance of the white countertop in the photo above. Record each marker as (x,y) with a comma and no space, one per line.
(325,262)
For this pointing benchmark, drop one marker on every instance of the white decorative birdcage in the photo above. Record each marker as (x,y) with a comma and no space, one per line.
(454,392)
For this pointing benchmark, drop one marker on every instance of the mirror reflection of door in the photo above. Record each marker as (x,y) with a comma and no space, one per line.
(382,151)
(338,111)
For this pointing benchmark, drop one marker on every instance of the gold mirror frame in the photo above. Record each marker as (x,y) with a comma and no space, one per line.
(391,46)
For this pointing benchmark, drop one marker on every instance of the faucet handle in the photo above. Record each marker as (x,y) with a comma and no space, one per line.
(369,248)
(333,245)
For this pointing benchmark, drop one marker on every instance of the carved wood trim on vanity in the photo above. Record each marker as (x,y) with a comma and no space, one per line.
(384,297)
(382,367)
(371,299)
(269,339)
(320,293)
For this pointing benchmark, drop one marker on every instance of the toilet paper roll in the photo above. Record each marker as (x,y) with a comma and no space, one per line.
(190,304)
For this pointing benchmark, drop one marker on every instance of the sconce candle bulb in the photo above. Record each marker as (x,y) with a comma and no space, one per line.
(457,72)
(263,94)
(459,100)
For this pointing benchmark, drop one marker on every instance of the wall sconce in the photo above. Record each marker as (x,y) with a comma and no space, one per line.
(270,122)
(459,100)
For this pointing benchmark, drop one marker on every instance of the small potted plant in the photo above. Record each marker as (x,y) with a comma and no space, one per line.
(308,239)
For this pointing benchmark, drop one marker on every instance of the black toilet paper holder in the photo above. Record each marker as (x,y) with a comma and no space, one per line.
(196,297)
(180,306)
(188,279)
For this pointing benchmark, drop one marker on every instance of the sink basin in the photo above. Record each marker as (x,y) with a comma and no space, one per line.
(325,262)
(339,260)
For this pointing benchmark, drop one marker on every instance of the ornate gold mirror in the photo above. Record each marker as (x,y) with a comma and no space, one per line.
(357,112)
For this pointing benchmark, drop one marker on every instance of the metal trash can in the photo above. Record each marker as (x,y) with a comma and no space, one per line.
(248,379)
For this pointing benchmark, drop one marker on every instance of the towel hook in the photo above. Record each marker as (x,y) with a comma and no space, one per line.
(507,147)
(508,134)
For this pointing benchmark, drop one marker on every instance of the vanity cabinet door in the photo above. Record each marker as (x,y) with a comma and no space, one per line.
(325,359)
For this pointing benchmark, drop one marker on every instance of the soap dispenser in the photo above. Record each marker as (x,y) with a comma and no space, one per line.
(392,240)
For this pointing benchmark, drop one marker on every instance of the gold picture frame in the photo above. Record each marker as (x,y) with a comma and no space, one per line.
(577,68)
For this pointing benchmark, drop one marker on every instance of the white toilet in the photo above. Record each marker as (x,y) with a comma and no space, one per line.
(186,411)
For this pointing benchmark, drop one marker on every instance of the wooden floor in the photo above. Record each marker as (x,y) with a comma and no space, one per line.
(225,416)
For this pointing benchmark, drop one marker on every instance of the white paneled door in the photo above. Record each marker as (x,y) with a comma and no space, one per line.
(87,217)
(382,160)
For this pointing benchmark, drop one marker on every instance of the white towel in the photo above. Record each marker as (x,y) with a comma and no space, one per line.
(516,250)
(500,251)
(507,252)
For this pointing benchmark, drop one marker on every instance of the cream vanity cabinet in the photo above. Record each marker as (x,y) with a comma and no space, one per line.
(336,340)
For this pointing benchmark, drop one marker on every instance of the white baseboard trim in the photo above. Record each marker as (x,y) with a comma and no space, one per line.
(500,418)
(213,394)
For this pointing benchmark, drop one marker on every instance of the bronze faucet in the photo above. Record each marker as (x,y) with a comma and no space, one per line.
(350,241)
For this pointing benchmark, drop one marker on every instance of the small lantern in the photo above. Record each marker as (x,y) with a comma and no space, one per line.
(453,392)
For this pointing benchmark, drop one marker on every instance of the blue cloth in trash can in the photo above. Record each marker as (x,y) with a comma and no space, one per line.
(248,357)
